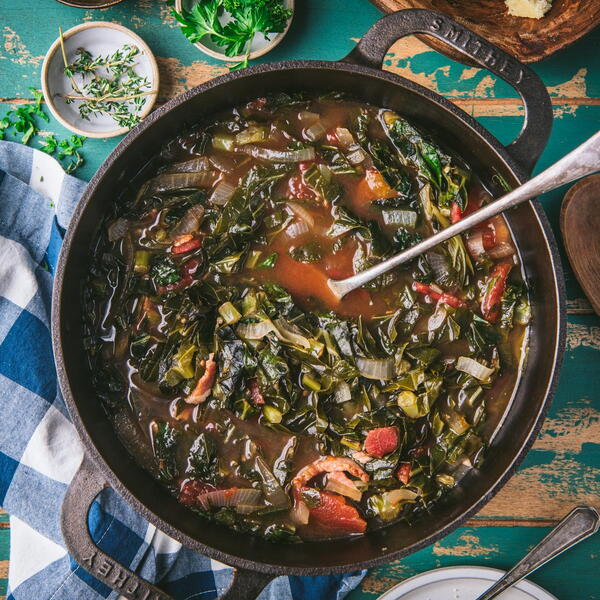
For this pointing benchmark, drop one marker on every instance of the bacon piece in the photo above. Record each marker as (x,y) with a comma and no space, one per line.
(381,441)
(444,297)
(173,287)
(328,464)
(190,243)
(255,395)
(204,386)
(334,517)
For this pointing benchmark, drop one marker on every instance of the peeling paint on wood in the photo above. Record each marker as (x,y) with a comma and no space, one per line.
(583,335)
(467,544)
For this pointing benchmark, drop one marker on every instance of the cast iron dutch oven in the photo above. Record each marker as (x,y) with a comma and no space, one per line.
(360,75)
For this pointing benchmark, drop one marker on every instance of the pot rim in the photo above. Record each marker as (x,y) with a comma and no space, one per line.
(268,567)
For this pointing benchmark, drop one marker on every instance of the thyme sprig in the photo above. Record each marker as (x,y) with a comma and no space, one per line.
(109,84)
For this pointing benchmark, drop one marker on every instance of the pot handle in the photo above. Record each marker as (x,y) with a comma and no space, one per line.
(531,141)
(83,489)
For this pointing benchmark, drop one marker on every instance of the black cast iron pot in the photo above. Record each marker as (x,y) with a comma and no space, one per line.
(359,74)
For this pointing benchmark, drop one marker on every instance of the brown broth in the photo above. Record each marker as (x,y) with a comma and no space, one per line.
(120,317)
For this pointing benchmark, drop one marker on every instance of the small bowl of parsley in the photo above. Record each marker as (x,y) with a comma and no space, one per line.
(234,30)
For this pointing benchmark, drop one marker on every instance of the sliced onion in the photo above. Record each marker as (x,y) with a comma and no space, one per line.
(501,250)
(169,182)
(255,331)
(400,218)
(296,229)
(306,116)
(315,132)
(117,229)
(437,319)
(290,333)
(401,495)
(343,393)
(229,497)
(282,156)
(475,245)
(222,193)
(356,156)
(301,213)
(344,136)
(300,513)
(190,222)
(376,368)
(225,163)
(340,483)
(439,263)
(195,165)
(246,509)
(473,368)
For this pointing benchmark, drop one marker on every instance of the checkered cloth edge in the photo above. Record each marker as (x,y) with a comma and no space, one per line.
(39,447)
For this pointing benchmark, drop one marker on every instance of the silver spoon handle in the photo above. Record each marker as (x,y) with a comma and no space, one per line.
(582,161)
(579,524)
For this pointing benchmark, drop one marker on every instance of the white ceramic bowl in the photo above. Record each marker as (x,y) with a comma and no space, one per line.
(99,38)
(461,583)
(259,47)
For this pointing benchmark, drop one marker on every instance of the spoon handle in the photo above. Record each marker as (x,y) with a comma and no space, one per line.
(579,524)
(582,161)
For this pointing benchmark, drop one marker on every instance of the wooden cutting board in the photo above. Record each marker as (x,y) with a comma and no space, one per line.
(529,40)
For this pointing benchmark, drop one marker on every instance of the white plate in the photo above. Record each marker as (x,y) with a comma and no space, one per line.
(99,38)
(461,583)
(259,47)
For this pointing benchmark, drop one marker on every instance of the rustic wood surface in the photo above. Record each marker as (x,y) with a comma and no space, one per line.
(563,468)
(530,40)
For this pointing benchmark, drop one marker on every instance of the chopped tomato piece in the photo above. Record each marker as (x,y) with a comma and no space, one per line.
(255,395)
(191,489)
(381,441)
(187,246)
(490,305)
(377,185)
(403,472)
(257,105)
(299,189)
(448,299)
(335,517)
(456,212)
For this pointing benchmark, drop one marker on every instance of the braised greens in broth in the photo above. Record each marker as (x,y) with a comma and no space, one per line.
(232,373)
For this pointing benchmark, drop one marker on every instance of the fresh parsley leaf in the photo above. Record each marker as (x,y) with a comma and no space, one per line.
(248,17)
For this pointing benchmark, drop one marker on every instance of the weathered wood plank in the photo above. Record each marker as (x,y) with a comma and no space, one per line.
(499,548)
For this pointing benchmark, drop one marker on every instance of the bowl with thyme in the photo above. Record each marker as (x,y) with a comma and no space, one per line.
(235,31)
(99,79)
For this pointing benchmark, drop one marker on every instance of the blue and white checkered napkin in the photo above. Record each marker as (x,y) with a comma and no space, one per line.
(39,448)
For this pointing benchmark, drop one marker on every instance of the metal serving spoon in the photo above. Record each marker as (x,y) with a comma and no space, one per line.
(578,525)
(582,161)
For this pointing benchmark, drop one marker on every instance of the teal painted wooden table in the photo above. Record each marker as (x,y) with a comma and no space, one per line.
(563,468)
